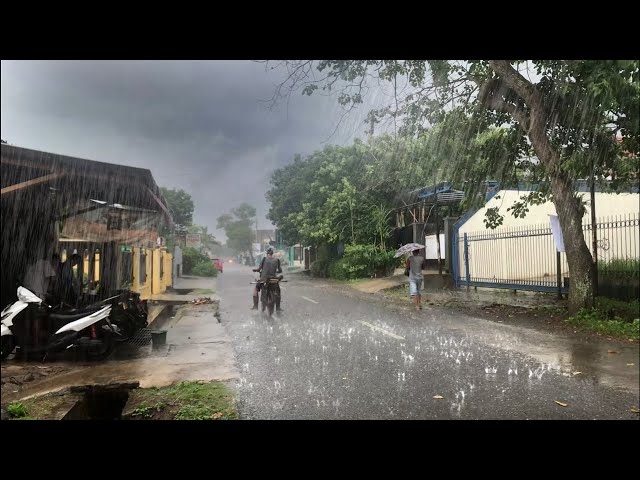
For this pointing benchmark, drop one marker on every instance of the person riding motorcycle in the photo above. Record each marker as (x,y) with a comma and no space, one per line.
(269,268)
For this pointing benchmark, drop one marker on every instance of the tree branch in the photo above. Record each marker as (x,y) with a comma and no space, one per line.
(515,81)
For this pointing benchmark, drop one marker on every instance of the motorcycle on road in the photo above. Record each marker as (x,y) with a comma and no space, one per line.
(269,293)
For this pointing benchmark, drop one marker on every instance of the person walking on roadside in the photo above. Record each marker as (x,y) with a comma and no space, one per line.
(415,264)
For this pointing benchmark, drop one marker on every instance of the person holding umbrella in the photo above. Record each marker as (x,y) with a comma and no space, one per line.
(414,266)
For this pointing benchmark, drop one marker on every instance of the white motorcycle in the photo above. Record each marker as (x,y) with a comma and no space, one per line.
(31,325)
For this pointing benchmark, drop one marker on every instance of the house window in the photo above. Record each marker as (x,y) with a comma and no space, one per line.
(96,266)
(126,279)
(143,267)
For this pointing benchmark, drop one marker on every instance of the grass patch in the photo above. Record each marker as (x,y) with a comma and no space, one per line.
(352,281)
(145,410)
(610,317)
(401,291)
(17,410)
(184,401)
(36,408)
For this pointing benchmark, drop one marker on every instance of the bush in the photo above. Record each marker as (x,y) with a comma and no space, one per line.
(17,410)
(610,317)
(593,320)
(620,267)
(361,261)
(320,268)
(205,269)
(337,270)
(192,257)
(612,309)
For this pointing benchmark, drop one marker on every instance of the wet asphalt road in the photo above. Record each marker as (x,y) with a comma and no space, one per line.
(342,355)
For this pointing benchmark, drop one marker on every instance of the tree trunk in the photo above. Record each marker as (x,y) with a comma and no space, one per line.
(570,211)
(579,258)
(568,207)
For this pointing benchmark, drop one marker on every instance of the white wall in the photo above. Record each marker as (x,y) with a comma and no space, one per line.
(521,249)
(431,247)
(607,204)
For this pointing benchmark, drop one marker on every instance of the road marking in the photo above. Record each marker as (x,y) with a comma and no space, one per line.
(381,330)
(309,300)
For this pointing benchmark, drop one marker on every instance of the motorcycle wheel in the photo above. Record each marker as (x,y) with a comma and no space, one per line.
(8,345)
(270,301)
(104,350)
(263,298)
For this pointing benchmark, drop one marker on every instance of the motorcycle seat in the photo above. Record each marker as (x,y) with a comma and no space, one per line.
(69,318)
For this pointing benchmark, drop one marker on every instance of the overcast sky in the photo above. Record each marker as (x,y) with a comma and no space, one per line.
(196,125)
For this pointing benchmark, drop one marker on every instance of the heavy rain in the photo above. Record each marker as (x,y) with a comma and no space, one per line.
(320,240)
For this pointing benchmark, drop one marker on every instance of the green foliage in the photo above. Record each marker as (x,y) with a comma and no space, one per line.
(192,258)
(324,257)
(208,240)
(620,267)
(190,401)
(362,261)
(610,308)
(320,268)
(145,410)
(381,222)
(346,194)
(205,269)
(541,120)
(17,410)
(238,227)
(338,270)
(181,205)
(592,320)
(610,317)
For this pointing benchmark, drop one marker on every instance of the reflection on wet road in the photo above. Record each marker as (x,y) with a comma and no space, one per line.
(341,355)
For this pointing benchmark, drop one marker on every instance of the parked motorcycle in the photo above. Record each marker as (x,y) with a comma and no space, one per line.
(128,312)
(35,328)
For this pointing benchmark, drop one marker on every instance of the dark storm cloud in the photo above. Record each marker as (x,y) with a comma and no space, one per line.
(195,125)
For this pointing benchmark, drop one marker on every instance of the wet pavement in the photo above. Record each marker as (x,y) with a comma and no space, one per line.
(341,354)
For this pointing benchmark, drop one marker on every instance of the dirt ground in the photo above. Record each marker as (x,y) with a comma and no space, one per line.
(15,376)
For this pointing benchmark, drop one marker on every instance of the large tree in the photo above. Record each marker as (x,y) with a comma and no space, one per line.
(344,193)
(181,205)
(208,240)
(493,115)
(238,226)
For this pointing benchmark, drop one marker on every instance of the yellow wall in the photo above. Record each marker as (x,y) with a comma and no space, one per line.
(154,284)
(158,285)
(167,278)
(142,285)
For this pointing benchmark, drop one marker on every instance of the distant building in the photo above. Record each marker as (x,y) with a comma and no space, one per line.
(265,236)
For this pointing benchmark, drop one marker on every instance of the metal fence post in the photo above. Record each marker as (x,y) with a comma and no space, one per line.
(466,260)
(559,274)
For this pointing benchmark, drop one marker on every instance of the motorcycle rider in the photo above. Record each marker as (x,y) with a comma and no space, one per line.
(269,268)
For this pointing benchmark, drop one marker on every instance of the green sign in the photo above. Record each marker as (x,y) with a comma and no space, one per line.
(125,249)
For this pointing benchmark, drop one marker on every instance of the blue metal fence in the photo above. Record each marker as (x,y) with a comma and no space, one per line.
(525,258)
